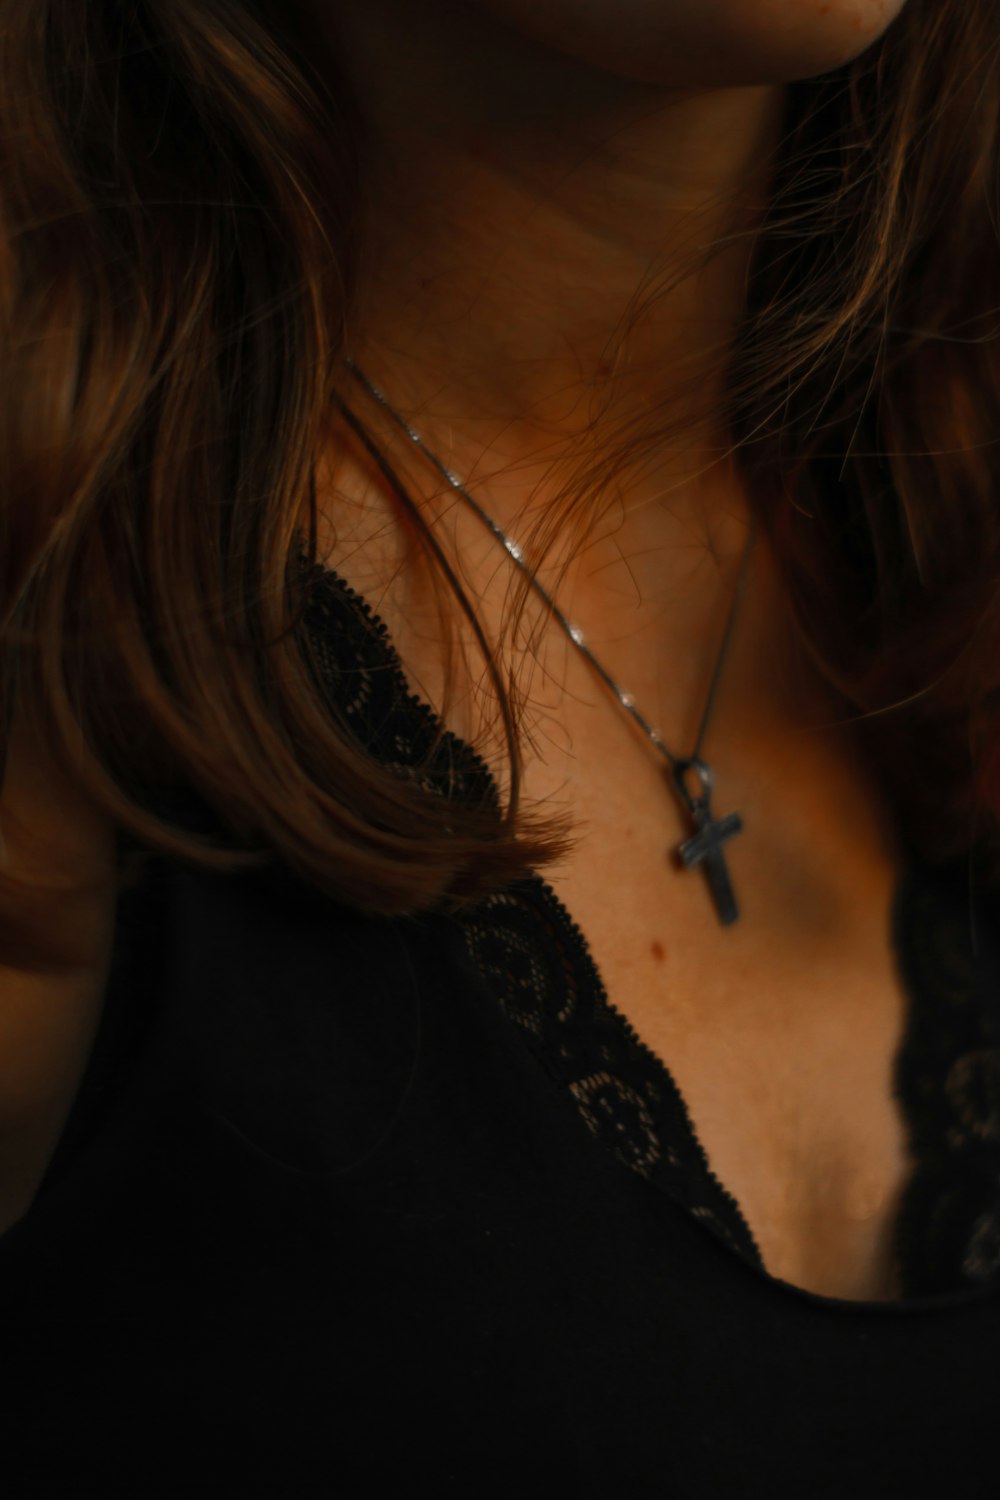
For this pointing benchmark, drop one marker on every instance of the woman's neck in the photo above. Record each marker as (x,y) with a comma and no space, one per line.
(532,256)
(520,208)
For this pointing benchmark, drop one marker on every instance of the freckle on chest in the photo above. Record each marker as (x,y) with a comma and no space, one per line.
(657,950)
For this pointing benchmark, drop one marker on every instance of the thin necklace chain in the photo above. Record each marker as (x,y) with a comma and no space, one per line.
(677,763)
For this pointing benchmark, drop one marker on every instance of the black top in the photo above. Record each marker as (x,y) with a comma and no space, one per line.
(348,1205)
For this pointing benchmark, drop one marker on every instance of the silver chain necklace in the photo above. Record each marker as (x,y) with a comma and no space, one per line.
(704,847)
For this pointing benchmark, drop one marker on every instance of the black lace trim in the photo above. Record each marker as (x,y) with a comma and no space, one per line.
(948,1084)
(361,677)
(537,964)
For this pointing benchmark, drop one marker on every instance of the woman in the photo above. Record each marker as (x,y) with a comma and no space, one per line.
(447,444)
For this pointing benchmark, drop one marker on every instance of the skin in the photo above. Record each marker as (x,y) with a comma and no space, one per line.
(536,170)
(539,180)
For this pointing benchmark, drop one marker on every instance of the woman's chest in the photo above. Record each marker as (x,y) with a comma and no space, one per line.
(780,1032)
(798,1122)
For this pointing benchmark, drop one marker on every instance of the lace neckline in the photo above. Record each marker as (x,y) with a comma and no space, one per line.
(538,964)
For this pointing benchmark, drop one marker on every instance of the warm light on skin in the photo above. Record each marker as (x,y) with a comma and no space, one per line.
(535,161)
(533,167)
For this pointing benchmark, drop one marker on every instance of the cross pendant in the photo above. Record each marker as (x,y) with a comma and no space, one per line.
(705,846)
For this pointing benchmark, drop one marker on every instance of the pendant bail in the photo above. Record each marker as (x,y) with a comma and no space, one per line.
(705,775)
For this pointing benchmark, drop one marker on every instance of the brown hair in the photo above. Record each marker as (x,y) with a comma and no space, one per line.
(178,203)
